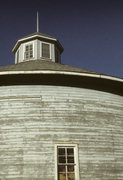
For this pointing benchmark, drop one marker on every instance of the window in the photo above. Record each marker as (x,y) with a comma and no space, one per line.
(45,50)
(29,51)
(67,162)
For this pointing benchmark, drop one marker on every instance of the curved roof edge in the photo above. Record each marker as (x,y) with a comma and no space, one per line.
(46,66)
(100,76)
(82,80)
(50,73)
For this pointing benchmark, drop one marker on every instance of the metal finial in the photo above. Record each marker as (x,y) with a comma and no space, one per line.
(37,22)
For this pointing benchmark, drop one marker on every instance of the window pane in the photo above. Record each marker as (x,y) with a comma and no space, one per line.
(45,50)
(70,168)
(61,151)
(70,151)
(28,51)
(27,48)
(27,55)
(61,169)
(70,159)
(62,176)
(66,163)
(31,47)
(62,159)
(71,176)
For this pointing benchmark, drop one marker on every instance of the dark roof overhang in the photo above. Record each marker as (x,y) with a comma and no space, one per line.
(62,78)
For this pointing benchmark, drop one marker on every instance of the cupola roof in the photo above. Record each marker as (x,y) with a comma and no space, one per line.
(40,36)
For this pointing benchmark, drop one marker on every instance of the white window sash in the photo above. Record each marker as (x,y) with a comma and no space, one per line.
(24,50)
(75,146)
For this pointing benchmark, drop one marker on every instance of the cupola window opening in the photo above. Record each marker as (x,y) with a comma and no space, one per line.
(28,51)
(67,162)
(46,50)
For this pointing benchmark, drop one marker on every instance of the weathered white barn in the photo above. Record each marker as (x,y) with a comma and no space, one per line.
(58,122)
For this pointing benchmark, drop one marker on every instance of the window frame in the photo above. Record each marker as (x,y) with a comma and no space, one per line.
(76,166)
(27,44)
(41,52)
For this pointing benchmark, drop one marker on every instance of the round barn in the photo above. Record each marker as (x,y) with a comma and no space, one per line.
(58,122)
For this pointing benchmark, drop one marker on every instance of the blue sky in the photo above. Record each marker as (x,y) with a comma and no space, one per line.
(91,31)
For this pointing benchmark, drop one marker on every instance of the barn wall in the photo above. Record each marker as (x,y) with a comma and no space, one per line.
(35,118)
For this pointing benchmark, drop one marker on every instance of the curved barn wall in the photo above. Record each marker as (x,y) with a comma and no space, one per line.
(35,118)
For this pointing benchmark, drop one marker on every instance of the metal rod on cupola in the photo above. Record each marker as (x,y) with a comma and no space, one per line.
(37,22)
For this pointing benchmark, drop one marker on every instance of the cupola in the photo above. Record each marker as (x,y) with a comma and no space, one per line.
(37,46)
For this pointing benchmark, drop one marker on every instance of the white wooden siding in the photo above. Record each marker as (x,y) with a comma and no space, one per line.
(35,118)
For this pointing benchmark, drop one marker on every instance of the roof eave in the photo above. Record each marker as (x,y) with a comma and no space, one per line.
(99,76)
(72,79)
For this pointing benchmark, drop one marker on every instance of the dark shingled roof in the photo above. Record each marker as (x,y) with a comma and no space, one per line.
(43,65)
(40,34)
